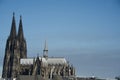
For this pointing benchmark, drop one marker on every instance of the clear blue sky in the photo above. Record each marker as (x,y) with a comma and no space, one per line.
(86,32)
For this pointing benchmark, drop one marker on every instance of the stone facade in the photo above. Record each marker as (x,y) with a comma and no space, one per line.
(14,51)
(47,68)
(17,64)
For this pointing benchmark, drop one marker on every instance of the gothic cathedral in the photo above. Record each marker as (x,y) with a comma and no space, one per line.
(15,50)
(17,65)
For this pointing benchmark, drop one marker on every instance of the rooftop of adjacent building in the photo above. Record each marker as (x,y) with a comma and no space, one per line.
(49,60)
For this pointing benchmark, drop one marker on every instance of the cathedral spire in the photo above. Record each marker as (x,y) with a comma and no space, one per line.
(20,30)
(13,27)
(46,47)
(45,51)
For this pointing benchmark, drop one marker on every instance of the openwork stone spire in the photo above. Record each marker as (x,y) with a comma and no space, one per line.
(20,30)
(14,51)
(13,27)
(22,41)
(45,51)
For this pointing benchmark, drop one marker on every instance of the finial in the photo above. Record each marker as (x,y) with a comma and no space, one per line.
(13,13)
(20,17)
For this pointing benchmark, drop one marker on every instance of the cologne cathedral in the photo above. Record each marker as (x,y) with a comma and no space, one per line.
(18,66)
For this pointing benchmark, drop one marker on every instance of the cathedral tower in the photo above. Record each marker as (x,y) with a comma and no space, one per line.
(15,49)
(22,41)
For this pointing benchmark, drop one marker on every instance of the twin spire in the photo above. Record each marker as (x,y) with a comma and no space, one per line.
(13,33)
(20,35)
(20,31)
(13,27)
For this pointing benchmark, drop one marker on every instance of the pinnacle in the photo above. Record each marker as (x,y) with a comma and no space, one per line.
(45,47)
(13,27)
(20,30)
(20,17)
(13,13)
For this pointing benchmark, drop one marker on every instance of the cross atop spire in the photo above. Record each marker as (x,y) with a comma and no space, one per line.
(13,27)
(20,30)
